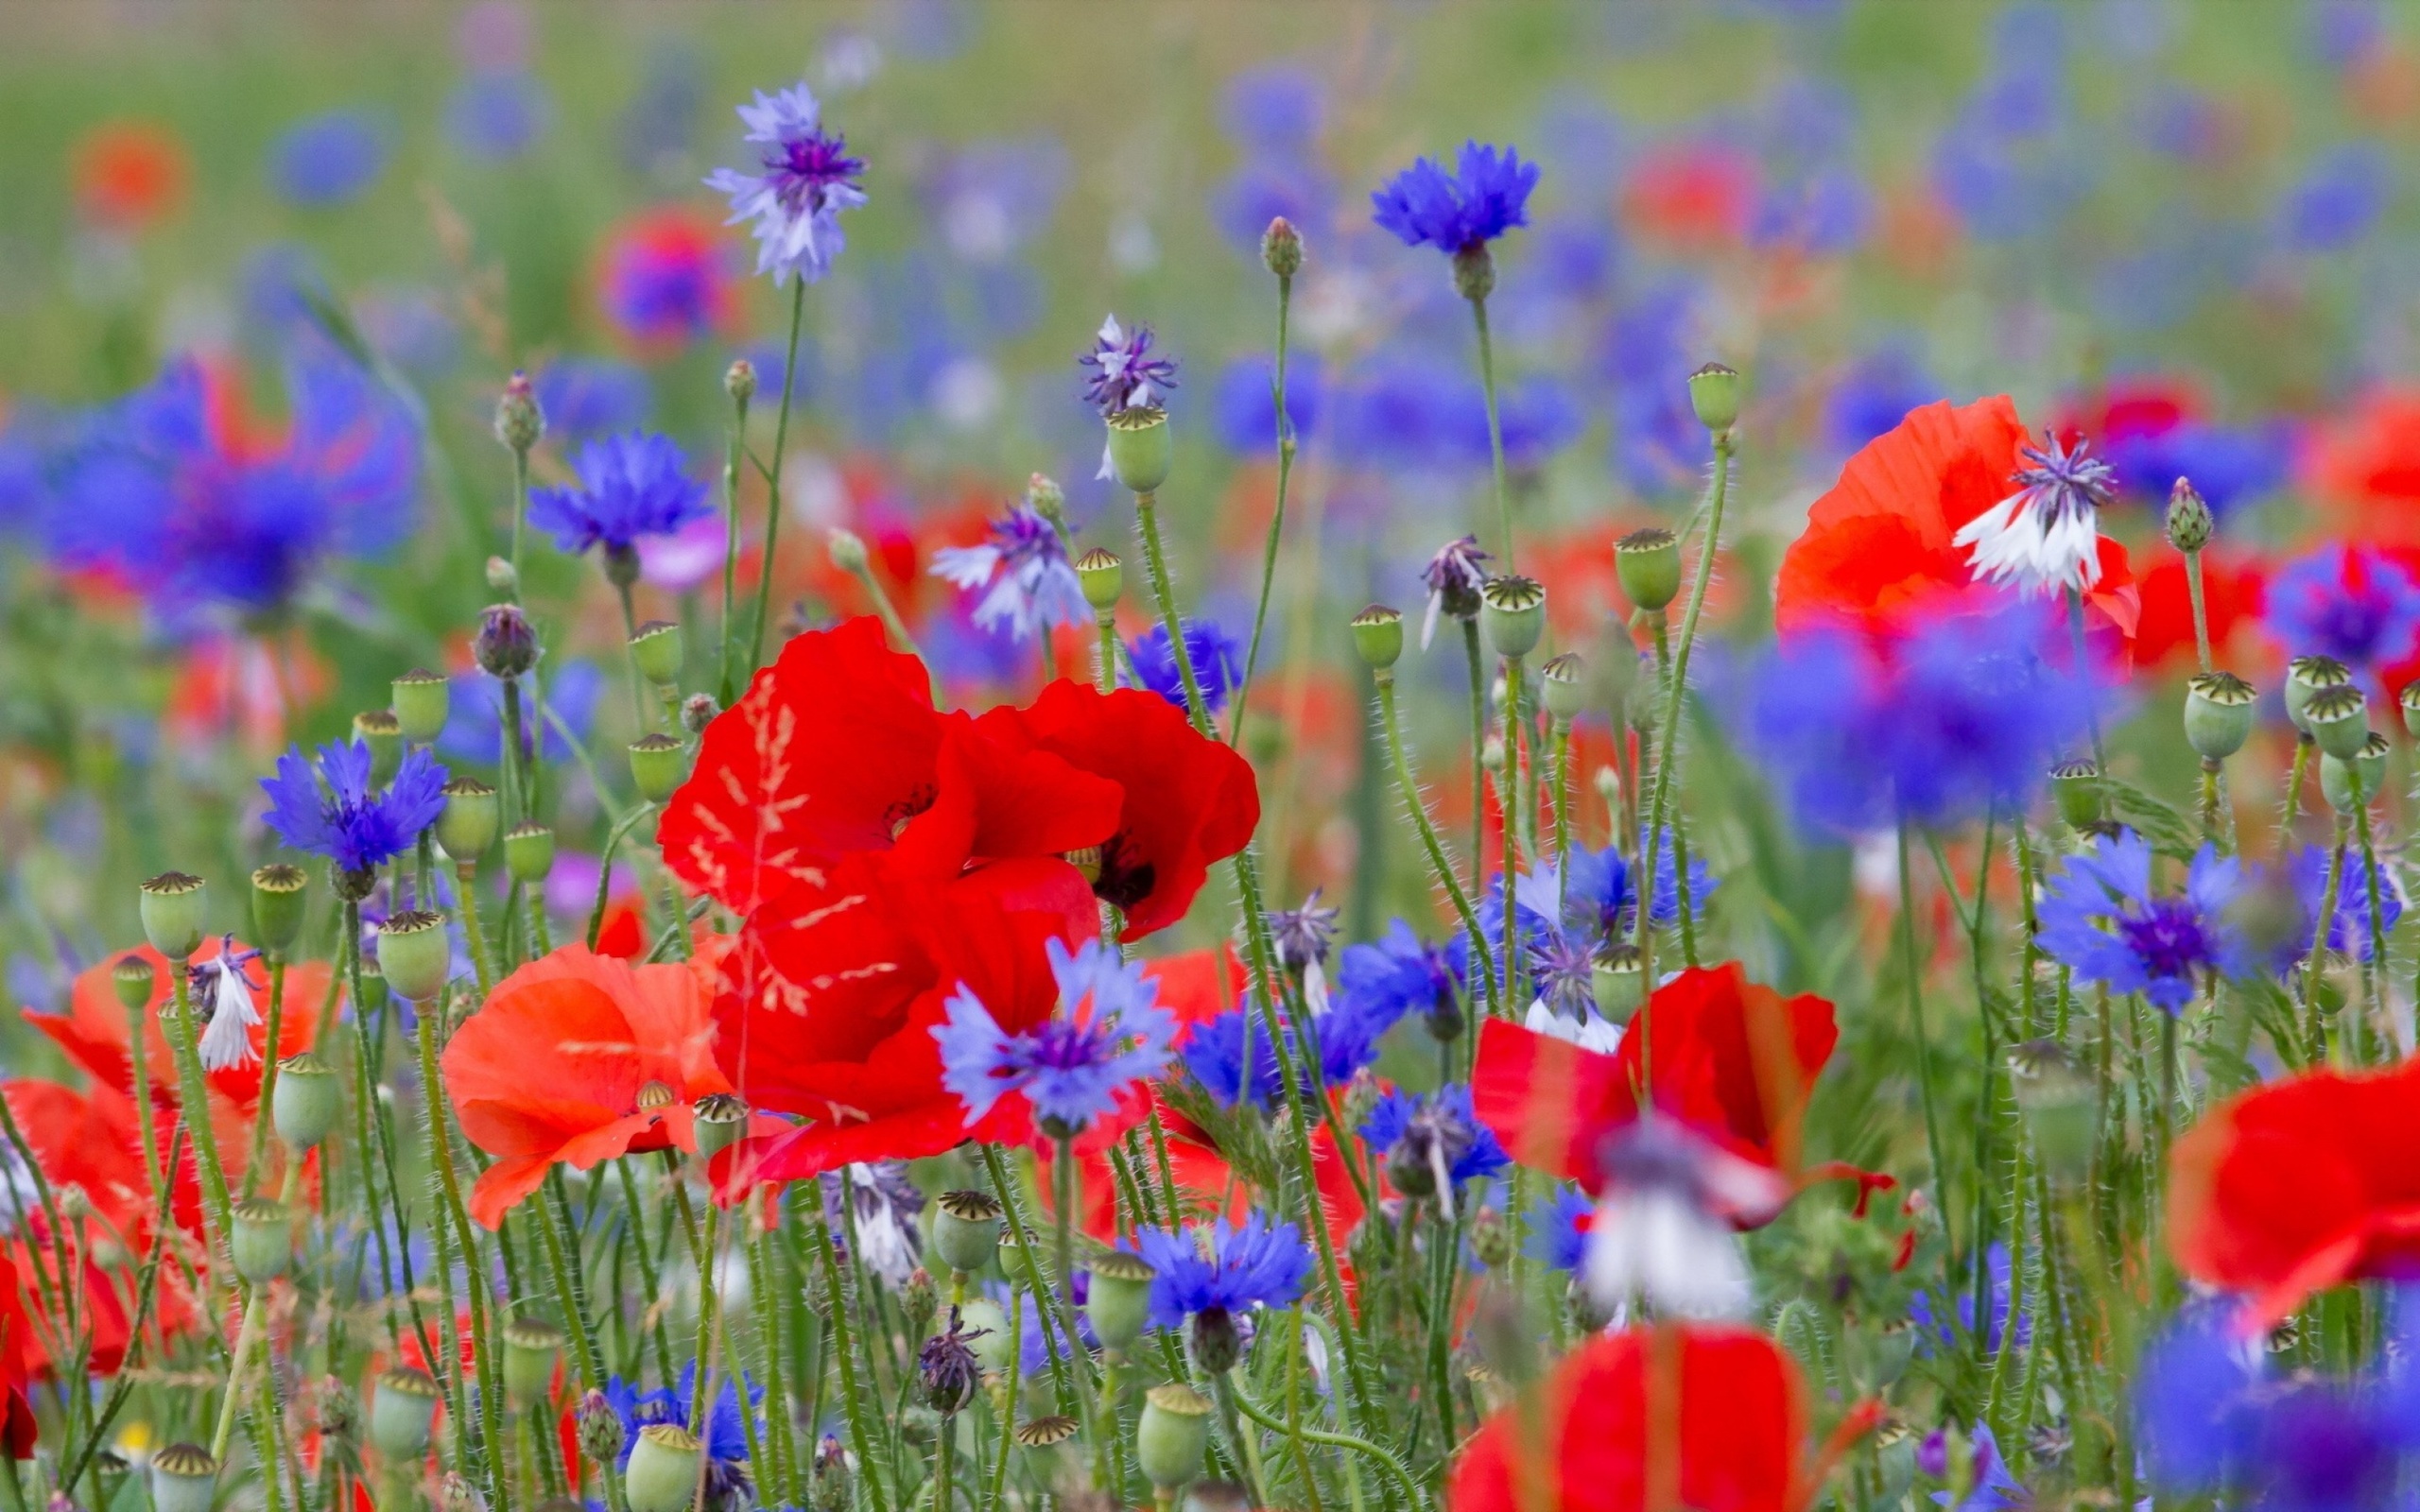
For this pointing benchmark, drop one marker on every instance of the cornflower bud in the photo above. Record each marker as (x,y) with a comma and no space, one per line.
(519,421)
(599,1430)
(698,711)
(1281,248)
(505,646)
(739,380)
(2190,525)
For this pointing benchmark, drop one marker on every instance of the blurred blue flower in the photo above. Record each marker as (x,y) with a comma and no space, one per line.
(1559,1223)
(989,198)
(1439,1129)
(1345,1038)
(1226,1268)
(2359,606)
(329,809)
(496,117)
(724,1434)
(475,714)
(1826,214)
(2339,199)
(1246,407)
(1276,109)
(1260,190)
(1487,195)
(328,158)
(590,396)
(1023,573)
(631,485)
(1218,662)
(805,177)
(1109,1031)
(2226,465)
(1935,1333)
(2346,32)
(1381,980)
(2100,917)
(1874,395)
(2348,930)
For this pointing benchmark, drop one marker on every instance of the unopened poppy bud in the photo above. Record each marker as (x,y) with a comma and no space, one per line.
(659,650)
(599,1427)
(466,825)
(133,977)
(379,730)
(528,851)
(847,549)
(506,646)
(401,1413)
(2218,707)
(1102,576)
(1044,497)
(918,1301)
(2076,786)
(2306,678)
(279,902)
(183,1476)
(1513,611)
(1562,687)
(422,701)
(986,1332)
(303,1107)
(532,1348)
(2349,782)
(1174,1431)
(2190,525)
(719,1119)
(1714,394)
(1218,1343)
(1119,1302)
(739,380)
(2339,720)
(502,576)
(657,762)
(519,421)
(414,954)
(1378,635)
(171,906)
(1617,980)
(1281,248)
(663,1472)
(698,711)
(1142,448)
(1474,272)
(966,1230)
(262,1240)
(1648,562)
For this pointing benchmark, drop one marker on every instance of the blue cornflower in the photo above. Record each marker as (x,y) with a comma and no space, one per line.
(1398,973)
(1246,403)
(1123,374)
(1218,662)
(1109,1030)
(2339,200)
(335,812)
(1226,1268)
(590,396)
(1346,1038)
(2225,466)
(1025,568)
(2349,929)
(474,730)
(804,179)
(2358,606)
(1487,195)
(724,1435)
(327,159)
(631,485)
(1558,1224)
(1935,1332)
(1874,395)
(497,116)
(2100,917)
(1036,1324)
(1601,899)
(1437,1137)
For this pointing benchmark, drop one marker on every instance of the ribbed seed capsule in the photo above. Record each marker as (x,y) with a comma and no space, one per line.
(2307,677)
(2219,708)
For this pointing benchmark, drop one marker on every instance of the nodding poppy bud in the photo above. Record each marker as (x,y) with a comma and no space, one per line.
(1119,1300)
(1474,272)
(533,1347)
(2076,786)
(183,1477)
(1281,248)
(598,1428)
(415,954)
(401,1413)
(422,701)
(946,1368)
(278,906)
(1218,1343)
(261,1239)
(1648,562)
(2306,678)
(918,1301)
(2350,782)
(528,851)
(505,646)
(1378,635)
(699,710)
(1714,393)
(1617,980)
(966,1230)
(986,1332)
(303,1107)
(1174,1431)
(1142,448)
(1044,497)
(739,380)
(719,1119)
(133,977)
(2218,707)
(659,650)
(1513,611)
(466,826)
(2339,720)
(519,421)
(656,762)
(2189,525)
(379,730)
(1564,689)
(1102,576)
(171,906)
(663,1472)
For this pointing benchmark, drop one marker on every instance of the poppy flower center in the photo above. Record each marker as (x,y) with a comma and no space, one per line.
(1125,875)
(2167,936)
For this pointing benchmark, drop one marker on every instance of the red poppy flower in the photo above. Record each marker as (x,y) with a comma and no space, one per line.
(1692,195)
(16,1336)
(579,1057)
(1735,1439)
(664,279)
(2234,588)
(129,174)
(1730,1058)
(1878,548)
(2298,1186)
(2369,462)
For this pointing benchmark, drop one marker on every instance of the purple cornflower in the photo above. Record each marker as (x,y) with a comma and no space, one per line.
(631,485)
(1109,1030)
(1563,972)
(804,179)
(1434,1140)
(728,1483)
(1218,662)
(2046,535)
(1226,1268)
(1024,566)
(1934,1332)
(2100,917)
(2355,605)
(884,1208)
(328,158)
(1398,973)
(1302,936)
(2349,928)
(335,812)
(1454,576)
(1124,374)
(1346,1038)
(1486,195)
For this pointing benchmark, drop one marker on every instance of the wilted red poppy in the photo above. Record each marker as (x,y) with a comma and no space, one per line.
(2298,1186)
(579,1057)
(1738,1438)
(95,1034)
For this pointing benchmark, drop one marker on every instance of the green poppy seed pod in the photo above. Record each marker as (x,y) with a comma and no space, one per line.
(2189,525)
(1175,1430)
(171,906)
(1513,611)
(379,730)
(2339,720)
(2306,678)
(1045,1432)
(1103,578)
(279,902)
(1615,979)
(1648,561)
(1119,1302)
(1281,248)
(2218,707)
(1714,393)
(305,1103)
(1474,272)
(528,851)
(1141,448)
(133,977)
(2349,782)
(422,700)
(183,1477)
(739,380)
(1218,1344)
(1377,634)
(2076,786)
(987,1331)
(719,1119)
(660,652)
(519,421)
(663,1472)
(373,985)
(658,762)
(966,1230)
(415,954)
(262,1239)
(401,1413)
(1563,686)
(598,1428)
(533,1347)
(466,826)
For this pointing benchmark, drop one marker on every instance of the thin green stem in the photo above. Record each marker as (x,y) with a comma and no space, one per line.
(773,489)
(1277,517)
(1495,430)
(836,1299)
(1438,861)
(733,444)
(1911,967)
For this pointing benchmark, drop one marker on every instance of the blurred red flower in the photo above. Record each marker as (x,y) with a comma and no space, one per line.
(2368,464)
(2234,591)
(129,175)
(97,1035)
(664,279)
(1691,195)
